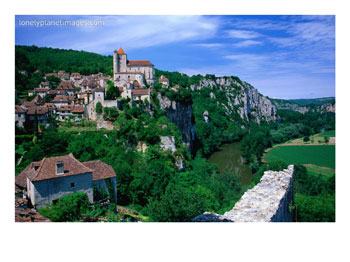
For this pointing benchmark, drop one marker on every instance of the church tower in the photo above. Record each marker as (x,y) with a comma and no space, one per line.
(119,61)
(122,60)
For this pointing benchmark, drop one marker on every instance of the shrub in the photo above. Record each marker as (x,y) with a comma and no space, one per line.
(306,139)
(99,108)
(68,208)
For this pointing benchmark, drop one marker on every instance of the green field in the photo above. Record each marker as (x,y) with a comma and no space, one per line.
(328,133)
(317,155)
(316,170)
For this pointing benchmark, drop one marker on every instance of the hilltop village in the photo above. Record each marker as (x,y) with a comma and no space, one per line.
(76,96)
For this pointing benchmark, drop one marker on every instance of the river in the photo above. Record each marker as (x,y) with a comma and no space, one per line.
(229,159)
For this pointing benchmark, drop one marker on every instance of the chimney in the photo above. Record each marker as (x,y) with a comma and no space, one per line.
(59,168)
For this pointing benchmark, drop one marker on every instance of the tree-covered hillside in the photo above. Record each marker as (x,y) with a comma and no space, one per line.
(47,60)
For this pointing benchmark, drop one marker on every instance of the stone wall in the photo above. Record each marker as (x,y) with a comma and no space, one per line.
(45,191)
(268,201)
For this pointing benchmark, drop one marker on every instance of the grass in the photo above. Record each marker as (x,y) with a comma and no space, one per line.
(316,170)
(315,139)
(323,155)
(328,133)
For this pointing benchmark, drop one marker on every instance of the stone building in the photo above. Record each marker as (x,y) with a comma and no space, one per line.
(45,181)
(126,71)
(20,115)
(163,80)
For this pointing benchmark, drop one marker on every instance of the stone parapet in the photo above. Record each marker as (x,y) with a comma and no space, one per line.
(268,201)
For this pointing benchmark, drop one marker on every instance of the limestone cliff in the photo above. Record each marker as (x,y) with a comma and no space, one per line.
(290,105)
(181,115)
(242,98)
(236,97)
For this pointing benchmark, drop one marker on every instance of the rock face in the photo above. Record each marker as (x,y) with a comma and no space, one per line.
(328,108)
(181,115)
(268,201)
(168,143)
(285,104)
(242,98)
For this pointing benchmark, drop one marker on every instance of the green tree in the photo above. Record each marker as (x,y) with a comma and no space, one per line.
(99,108)
(112,91)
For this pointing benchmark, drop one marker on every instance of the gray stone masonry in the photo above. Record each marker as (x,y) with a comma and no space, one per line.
(268,201)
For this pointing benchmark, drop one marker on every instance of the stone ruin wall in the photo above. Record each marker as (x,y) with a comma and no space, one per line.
(268,201)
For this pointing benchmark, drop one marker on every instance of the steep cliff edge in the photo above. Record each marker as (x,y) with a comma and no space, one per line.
(241,97)
(180,114)
(224,104)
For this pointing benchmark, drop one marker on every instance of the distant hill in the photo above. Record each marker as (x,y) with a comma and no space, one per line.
(325,104)
(47,60)
(316,101)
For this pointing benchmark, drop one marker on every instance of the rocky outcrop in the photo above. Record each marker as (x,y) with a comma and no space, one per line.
(328,108)
(181,115)
(268,201)
(168,143)
(242,98)
(321,108)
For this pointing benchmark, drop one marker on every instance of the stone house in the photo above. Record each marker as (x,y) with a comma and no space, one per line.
(163,80)
(41,91)
(63,75)
(36,101)
(42,113)
(60,100)
(68,87)
(45,85)
(43,182)
(20,115)
(64,112)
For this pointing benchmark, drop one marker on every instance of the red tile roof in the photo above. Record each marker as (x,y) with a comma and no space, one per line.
(121,52)
(39,110)
(65,108)
(36,101)
(78,109)
(60,98)
(20,109)
(41,90)
(99,169)
(139,63)
(56,92)
(140,91)
(66,85)
(47,169)
(51,74)
(163,79)
(29,171)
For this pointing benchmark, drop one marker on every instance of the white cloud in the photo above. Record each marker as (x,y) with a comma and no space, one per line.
(146,31)
(247,43)
(242,34)
(210,45)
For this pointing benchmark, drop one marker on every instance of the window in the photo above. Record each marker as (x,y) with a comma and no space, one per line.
(72,185)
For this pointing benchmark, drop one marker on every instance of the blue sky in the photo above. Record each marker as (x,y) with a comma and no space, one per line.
(282,56)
